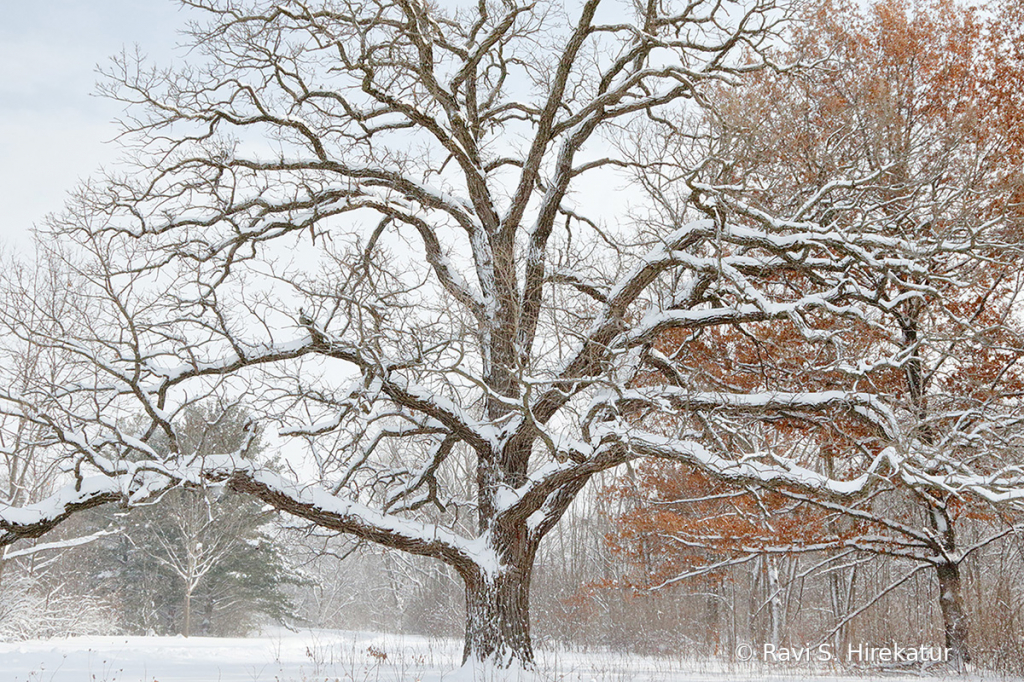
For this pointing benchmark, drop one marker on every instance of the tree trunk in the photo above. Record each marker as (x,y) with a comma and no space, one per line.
(498,607)
(776,610)
(188,613)
(842,591)
(951,600)
(498,619)
(207,626)
(954,617)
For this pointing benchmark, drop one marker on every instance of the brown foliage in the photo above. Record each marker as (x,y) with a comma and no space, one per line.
(679,520)
(927,94)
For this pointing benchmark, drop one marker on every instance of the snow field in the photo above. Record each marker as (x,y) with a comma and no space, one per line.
(342,656)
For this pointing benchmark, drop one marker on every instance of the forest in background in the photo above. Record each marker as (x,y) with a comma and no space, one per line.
(592,591)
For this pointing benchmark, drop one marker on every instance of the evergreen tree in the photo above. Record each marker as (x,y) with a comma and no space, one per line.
(203,561)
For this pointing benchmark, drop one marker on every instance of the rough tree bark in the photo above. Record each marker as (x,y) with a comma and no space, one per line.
(498,610)
(955,623)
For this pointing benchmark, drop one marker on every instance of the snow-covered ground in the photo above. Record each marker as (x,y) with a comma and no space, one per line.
(338,656)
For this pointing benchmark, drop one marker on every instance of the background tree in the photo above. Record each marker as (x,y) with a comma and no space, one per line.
(200,558)
(33,601)
(199,563)
(891,129)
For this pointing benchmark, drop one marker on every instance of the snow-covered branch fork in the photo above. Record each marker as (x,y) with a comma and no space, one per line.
(374,225)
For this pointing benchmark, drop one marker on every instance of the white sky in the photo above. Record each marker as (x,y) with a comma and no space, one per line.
(53,130)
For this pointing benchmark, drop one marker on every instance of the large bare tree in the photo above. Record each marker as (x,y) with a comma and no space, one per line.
(402,234)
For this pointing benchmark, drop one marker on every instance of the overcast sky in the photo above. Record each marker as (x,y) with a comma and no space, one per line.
(52,128)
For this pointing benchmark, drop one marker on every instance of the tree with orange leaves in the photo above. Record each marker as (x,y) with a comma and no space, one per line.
(900,126)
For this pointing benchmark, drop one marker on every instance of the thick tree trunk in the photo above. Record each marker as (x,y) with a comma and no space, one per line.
(954,617)
(498,602)
(498,618)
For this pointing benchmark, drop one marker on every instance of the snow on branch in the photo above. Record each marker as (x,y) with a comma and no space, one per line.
(672,398)
(748,470)
(35,520)
(313,503)
(59,544)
